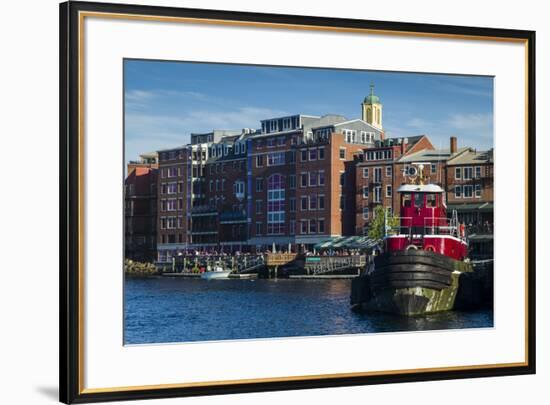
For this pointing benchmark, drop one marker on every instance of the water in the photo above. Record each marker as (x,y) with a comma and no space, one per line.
(162,310)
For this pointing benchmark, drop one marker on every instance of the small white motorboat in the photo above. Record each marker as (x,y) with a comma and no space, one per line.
(217,272)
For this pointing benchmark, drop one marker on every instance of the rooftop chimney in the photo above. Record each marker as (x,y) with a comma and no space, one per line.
(404,145)
(453,145)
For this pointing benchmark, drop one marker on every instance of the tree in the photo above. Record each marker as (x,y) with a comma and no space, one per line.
(376,226)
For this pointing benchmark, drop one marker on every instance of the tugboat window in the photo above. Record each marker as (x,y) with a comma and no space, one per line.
(406,200)
(419,200)
(430,201)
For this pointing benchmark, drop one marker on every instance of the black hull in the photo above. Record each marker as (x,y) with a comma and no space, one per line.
(412,282)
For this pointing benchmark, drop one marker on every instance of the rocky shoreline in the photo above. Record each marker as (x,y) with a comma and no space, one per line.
(134,268)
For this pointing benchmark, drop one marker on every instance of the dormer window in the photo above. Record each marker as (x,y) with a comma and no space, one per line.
(273,126)
(286,123)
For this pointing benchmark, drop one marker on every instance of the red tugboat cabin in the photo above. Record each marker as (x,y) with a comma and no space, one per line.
(423,224)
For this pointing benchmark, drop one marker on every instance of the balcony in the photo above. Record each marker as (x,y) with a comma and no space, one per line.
(229,217)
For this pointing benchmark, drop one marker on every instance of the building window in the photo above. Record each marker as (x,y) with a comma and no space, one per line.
(342,153)
(172,172)
(365,191)
(388,191)
(292,227)
(303,226)
(313,154)
(259,184)
(313,179)
(321,202)
(258,228)
(478,172)
(275,204)
(292,204)
(433,168)
(321,153)
(171,205)
(259,144)
(468,191)
(458,191)
(388,171)
(313,202)
(378,175)
(365,212)
(281,141)
(259,206)
(321,177)
(312,226)
(259,160)
(171,223)
(238,189)
(303,179)
(292,181)
(211,185)
(377,194)
(478,190)
(321,225)
(292,156)
(458,173)
(273,125)
(276,159)
(303,203)
(365,172)
(468,174)
(172,188)
(271,142)
(303,155)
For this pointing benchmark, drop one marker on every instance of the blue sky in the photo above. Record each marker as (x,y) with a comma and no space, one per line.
(166,101)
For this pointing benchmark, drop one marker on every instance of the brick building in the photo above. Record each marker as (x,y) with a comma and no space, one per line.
(140,208)
(296,181)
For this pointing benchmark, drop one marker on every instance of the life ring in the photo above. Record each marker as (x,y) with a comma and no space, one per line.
(411,247)
(430,248)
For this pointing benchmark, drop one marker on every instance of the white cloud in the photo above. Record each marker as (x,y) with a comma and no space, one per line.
(479,124)
(149,132)
(419,123)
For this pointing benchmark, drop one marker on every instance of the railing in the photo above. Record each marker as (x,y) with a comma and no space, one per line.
(203,208)
(431,226)
(485,229)
(327,264)
(238,263)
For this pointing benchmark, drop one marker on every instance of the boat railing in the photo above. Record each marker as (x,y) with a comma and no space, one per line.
(431,226)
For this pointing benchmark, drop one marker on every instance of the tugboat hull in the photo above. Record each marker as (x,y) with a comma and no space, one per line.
(409,282)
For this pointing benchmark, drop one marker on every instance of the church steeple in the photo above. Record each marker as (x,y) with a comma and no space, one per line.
(371,109)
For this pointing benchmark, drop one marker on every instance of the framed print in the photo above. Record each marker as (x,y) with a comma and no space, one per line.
(256,202)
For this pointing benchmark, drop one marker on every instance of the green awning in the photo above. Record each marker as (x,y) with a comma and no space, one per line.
(472,207)
(346,242)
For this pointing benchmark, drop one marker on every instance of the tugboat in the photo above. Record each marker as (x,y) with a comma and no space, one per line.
(423,254)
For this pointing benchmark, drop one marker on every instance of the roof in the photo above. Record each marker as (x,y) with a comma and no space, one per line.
(420,188)
(472,157)
(431,155)
(371,98)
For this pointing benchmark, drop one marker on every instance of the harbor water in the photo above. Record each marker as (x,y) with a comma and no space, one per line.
(167,310)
